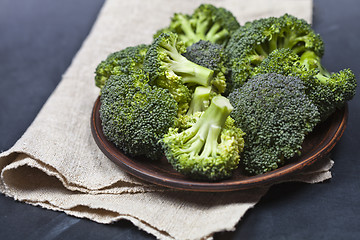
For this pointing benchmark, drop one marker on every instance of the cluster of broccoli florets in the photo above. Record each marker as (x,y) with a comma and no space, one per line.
(212,95)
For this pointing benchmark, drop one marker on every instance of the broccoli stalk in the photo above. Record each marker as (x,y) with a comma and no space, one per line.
(287,37)
(328,90)
(202,137)
(311,61)
(200,100)
(208,146)
(215,33)
(342,83)
(190,72)
(212,56)
(181,21)
(168,69)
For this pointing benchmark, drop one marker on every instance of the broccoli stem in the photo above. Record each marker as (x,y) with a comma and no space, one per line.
(211,142)
(295,43)
(189,72)
(312,61)
(200,100)
(299,49)
(194,145)
(273,43)
(186,27)
(257,56)
(203,136)
(214,35)
(259,49)
(201,28)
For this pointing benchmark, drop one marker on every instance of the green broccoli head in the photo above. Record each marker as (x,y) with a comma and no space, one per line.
(169,69)
(212,56)
(328,91)
(254,41)
(125,61)
(135,115)
(207,22)
(276,115)
(207,145)
(207,54)
(286,62)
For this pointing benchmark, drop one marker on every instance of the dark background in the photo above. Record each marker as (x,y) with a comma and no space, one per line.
(38,40)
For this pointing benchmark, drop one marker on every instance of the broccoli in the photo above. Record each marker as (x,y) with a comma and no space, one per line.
(207,22)
(276,115)
(207,145)
(124,61)
(135,115)
(286,62)
(169,69)
(212,56)
(327,91)
(255,40)
(200,100)
(213,96)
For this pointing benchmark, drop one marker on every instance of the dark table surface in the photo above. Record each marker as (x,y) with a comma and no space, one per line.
(38,40)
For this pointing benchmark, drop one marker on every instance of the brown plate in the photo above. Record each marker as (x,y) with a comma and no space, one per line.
(317,145)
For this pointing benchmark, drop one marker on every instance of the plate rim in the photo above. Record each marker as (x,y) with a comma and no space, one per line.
(202,186)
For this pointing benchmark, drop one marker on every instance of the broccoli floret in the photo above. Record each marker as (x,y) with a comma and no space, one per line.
(169,69)
(207,54)
(212,56)
(286,62)
(208,144)
(276,115)
(327,91)
(135,115)
(124,61)
(254,41)
(207,22)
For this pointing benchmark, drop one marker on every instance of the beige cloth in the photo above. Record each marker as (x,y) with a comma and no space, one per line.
(57,165)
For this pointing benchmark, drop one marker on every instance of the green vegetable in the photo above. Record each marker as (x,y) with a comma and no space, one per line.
(207,144)
(212,56)
(328,91)
(276,115)
(169,69)
(205,81)
(254,41)
(125,61)
(135,115)
(207,22)
(200,100)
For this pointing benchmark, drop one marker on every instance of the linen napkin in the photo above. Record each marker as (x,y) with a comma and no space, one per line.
(57,165)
